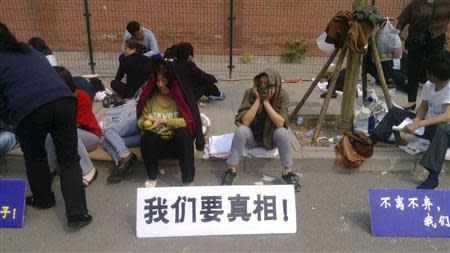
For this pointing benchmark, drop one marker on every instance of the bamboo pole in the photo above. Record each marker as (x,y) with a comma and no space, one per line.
(332,85)
(313,85)
(387,96)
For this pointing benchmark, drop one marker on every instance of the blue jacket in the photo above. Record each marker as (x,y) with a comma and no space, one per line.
(28,81)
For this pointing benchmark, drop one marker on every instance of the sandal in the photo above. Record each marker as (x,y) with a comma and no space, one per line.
(86,182)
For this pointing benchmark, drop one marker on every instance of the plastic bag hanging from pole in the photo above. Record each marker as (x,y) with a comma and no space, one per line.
(388,38)
(324,46)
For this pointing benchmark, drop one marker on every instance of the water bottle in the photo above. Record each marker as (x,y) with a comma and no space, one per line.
(371,124)
(299,121)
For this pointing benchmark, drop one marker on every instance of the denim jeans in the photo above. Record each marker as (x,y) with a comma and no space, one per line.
(87,142)
(7,142)
(120,136)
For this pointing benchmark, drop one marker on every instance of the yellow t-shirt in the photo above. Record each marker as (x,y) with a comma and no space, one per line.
(170,112)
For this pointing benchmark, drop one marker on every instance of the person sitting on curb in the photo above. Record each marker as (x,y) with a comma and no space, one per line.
(262,120)
(433,114)
(200,82)
(88,131)
(144,36)
(169,125)
(136,67)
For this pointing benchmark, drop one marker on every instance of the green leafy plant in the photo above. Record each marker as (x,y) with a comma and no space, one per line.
(246,57)
(295,51)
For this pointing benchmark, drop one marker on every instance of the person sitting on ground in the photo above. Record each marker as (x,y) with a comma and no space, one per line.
(116,140)
(36,102)
(40,45)
(200,82)
(262,120)
(433,114)
(88,131)
(8,140)
(168,124)
(144,36)
(136,67)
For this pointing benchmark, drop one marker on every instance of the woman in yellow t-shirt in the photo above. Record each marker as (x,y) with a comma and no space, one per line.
(166,124)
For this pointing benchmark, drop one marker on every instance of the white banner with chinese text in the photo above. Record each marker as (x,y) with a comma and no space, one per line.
(215,210)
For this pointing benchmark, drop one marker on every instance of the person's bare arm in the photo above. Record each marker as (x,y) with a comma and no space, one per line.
(275,117)
(251,113)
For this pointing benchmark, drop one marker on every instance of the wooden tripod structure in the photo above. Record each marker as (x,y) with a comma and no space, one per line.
(349,86)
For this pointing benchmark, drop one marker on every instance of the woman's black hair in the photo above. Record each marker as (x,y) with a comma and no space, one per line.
(9,43)
(171,52)
(66,76)
(438,65)
(40,45)
(184,50)
(162,68)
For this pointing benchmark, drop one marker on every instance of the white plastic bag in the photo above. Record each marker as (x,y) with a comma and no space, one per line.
(325,47)
(388,38)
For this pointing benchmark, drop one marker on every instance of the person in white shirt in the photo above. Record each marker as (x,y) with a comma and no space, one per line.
(144,36)
(433,114)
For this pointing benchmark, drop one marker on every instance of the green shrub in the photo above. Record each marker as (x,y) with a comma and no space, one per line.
(295,51)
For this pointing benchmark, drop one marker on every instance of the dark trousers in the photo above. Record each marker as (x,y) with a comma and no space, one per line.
(439,136)
(416,64)
(207,89)
(122,89)
(57,118)
(153,148)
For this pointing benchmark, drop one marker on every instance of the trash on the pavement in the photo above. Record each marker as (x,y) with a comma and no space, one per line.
(258,183)
(309,134)
(267,178)
(299,120)
(383,173)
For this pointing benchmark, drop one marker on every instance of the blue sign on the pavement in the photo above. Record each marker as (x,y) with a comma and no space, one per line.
(408,212)
(12,202)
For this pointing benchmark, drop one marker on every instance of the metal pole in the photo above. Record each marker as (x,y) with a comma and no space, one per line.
(231,20)
(89,37)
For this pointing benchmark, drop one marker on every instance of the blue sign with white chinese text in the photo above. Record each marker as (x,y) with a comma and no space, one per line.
(408,212)
(12,202)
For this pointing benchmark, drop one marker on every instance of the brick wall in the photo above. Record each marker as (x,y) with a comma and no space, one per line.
(262,27)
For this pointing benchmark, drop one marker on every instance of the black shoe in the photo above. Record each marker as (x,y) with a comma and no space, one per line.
(431,183)
(228,177)
(31,201)
(78,221)
(292,179)
(124,167)
(127,162)
(324,95)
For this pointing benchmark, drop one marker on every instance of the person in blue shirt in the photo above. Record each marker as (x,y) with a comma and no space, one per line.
(144,36)
(37,102)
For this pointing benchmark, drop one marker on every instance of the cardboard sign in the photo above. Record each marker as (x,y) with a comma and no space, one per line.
(12,202)
(215,210)
(407,212)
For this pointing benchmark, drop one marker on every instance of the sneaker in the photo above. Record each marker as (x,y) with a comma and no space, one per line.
(78,221)
(150,183)
(291,178)
(218,98)
(229,177)
(31,201)
(429,184)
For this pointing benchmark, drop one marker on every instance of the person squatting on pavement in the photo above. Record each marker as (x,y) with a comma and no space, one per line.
(262,120)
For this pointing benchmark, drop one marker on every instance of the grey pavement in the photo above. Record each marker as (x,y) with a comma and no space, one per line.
(332,207)
(332,216)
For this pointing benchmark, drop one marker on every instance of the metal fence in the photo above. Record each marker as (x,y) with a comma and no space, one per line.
(244,35)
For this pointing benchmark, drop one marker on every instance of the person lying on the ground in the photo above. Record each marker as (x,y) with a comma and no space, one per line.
(88,131)
(168,125)
(136,67)
(40,45)
(144,36)
(433,114)
(8,140)
(200,82)
(37,102)
(262,120)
